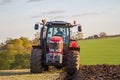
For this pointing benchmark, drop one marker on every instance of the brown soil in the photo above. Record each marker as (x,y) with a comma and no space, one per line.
(94,72)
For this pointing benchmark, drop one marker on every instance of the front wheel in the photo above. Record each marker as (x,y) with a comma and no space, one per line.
(72,61)
(36,65)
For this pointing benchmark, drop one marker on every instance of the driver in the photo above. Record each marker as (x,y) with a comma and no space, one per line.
(59,32)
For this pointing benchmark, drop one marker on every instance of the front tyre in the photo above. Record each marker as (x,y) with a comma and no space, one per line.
(36,65)
(72,62)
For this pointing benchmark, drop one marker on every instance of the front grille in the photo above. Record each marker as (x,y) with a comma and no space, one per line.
(54,47)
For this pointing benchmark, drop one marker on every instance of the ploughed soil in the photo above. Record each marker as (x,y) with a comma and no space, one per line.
(94,72)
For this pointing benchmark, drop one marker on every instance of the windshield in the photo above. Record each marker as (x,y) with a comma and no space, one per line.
(58,31)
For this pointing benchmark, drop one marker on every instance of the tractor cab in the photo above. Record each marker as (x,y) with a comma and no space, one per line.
(56,30)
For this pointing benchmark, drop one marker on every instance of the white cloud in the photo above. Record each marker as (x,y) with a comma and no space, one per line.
(2,2)
(88,13)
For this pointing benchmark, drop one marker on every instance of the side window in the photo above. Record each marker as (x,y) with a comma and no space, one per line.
(50,32)
(67,35)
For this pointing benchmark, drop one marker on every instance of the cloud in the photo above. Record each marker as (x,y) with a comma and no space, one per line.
(56,14)
(37,16)
(53,12)
(60,14)
(88,14)
(2,2)
(58,17)
(49,13)
(35,0)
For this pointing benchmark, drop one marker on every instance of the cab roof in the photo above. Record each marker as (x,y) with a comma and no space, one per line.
(62,23)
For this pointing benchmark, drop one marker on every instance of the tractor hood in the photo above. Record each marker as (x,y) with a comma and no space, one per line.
(56,39)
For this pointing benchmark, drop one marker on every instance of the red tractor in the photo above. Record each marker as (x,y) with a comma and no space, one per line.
(56,48)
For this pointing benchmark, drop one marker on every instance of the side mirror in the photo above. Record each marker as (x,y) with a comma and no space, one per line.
(79,28)
(36,26)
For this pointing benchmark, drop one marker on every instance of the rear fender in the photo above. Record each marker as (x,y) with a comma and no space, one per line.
(74,45)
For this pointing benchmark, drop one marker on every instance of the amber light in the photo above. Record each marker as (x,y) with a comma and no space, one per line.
(74,22)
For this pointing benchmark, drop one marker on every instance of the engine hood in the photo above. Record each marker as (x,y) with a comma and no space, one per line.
(56,39)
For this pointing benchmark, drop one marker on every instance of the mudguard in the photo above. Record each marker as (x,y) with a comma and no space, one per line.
(74,45)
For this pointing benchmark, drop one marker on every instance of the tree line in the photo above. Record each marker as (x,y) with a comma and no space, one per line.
(15,53)
(101,35)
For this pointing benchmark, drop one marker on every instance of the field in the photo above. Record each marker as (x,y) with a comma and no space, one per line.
(86,72)
(26,75)
(94,51)
(100,51)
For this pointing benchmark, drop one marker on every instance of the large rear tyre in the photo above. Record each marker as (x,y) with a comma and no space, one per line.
(72,62)
(36,65)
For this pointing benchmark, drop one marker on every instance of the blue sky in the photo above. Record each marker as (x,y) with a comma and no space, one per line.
(17,18)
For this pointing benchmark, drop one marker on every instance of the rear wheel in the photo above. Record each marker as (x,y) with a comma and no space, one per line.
(72,62)
(36,65)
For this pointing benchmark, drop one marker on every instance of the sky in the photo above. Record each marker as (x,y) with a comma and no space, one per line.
(17,17)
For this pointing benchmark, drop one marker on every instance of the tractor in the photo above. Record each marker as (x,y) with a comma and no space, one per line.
(56,48)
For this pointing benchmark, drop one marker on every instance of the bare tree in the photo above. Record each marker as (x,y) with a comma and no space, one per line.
(102,34)
(79,35)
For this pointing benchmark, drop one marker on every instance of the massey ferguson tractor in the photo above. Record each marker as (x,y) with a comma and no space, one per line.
(56,48)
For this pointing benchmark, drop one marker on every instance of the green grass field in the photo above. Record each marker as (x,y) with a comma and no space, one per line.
(100,51)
